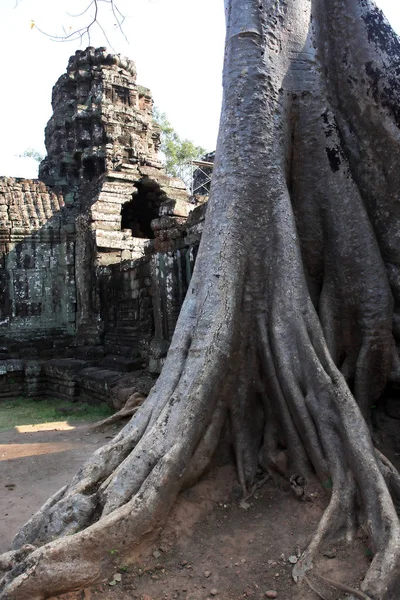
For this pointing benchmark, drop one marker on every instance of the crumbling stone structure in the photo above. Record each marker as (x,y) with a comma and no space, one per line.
(97,255)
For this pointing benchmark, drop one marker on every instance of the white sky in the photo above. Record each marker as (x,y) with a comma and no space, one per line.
(177,46)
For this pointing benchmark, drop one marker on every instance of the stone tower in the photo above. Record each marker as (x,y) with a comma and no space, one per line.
(101,120)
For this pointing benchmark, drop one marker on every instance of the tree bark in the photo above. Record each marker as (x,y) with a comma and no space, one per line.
(289,327)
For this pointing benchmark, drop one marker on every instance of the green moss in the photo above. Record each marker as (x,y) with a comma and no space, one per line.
(29,411)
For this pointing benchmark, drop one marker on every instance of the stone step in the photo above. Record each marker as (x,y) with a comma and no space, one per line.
(95,384)
(121,363)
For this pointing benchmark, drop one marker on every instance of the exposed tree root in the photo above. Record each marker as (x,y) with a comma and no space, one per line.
(288,328)
(313,588)
(343,588)
(129,409)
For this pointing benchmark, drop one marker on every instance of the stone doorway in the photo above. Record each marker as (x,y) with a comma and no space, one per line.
(138,213)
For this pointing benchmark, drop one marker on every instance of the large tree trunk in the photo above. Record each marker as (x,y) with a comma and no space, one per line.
(288,329)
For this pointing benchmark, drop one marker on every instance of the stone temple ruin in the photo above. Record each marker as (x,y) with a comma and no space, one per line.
(97,254)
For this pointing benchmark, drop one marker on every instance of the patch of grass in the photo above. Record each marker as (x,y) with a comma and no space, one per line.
(29,411)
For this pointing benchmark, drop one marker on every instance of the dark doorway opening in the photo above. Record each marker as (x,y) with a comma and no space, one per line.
(138,213)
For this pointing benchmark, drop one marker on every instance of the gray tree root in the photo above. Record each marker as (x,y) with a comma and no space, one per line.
(288,331)
(129,409)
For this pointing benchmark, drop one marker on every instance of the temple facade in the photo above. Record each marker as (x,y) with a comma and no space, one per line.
(96,255)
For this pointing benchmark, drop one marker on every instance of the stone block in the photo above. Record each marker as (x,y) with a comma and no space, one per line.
(95,384)
(100,216)
(179,208)
(103,259)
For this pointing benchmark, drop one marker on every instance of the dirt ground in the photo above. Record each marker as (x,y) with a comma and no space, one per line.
(213,548)
(36,460)
(214,545)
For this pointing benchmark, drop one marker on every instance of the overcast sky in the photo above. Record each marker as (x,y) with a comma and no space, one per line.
(177,46)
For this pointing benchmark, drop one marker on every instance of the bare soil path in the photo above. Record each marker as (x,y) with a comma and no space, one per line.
(214,546)
(35,461)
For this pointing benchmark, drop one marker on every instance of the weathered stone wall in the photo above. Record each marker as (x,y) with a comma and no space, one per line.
(37,257)
(115,229)
(127,310)
(141,299)
(139,303)
(96,257)
(175,250)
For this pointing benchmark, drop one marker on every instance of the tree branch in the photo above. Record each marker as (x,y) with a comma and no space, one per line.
(85,31)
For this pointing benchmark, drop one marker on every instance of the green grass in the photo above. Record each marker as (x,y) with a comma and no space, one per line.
(29,411)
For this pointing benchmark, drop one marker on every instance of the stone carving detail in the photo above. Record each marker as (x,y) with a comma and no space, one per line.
(101,119)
